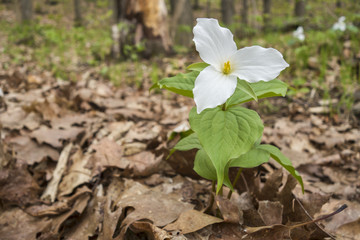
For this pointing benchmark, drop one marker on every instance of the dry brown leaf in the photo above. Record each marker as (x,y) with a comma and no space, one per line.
(144,163)
(119,129)
(152,232)
(349,230)
(160,209)
(76,174)
(271,212)
(229,211)
(55,137)
(90,221)
(53,232)
(225,231)
(17,186)
(63,205)
(29,152)
(108,154)
(70,120)
(192,221)
(271,187)
(15,224)
(52,187)
(143,132)
(17,118)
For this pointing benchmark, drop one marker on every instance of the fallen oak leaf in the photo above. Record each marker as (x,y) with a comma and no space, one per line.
(271,212)
(18,187)
(229,211)
(159,208)
(54,137)
(192,221)
(30,152)
(63,205)
(17,224)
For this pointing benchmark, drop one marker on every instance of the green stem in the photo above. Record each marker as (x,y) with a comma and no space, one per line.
(234,182)
(223,107)
(211,203)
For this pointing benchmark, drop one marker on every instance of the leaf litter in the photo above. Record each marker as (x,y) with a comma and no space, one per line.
(88,160)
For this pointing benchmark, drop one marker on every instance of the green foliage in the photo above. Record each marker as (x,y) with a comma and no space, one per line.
(253,158)
(182,83)
(261,89)
(225,135)
(60,49)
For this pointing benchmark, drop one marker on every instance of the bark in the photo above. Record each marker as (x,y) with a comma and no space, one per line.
(208,8)
(299,8)
(266,13)
(140,20)
(196,4)
(151,15)
(77,12)
(227,11)
(26,10)
(244,12)
(338,4)
(182,23)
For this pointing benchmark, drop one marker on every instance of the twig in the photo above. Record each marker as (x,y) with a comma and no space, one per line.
(321,218)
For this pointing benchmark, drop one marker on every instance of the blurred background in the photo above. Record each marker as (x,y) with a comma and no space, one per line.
(138,42)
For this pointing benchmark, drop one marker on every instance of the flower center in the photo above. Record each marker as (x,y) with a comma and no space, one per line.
(226,69)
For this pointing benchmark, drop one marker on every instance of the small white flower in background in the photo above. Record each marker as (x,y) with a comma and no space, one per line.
(299,33)
(217,82)
(340,24)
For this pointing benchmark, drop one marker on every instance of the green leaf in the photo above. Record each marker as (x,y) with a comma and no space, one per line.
(253,158)
(203,165)
(182,83)
(197,66)
(225,135)
(262,89)
(205,168)
(186,143)
(246,88)
(278,156)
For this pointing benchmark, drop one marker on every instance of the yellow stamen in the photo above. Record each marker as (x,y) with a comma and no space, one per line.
(227,68)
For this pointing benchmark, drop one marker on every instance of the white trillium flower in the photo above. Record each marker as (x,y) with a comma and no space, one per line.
(340,24)
(299,33)
(217,82)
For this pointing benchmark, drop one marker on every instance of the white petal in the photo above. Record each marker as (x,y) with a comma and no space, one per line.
(215,44)
(256,63)
(212,88)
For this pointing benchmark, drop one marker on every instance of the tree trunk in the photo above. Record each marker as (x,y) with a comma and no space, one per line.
(266,13)
(196,5)
(244,12)
(77,11)
(227,11)
(182,23)
(142,20)
(299,8)
(26,10)
(208,8)
(338,3)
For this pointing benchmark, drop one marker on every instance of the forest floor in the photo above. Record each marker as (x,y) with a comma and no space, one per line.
(85,159)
